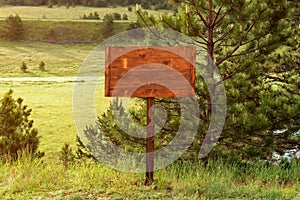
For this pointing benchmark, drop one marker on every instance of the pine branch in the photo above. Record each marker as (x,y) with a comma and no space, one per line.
(229,55)
(170,25)
(198,13)
(196,30)
(216,20)
(221,39)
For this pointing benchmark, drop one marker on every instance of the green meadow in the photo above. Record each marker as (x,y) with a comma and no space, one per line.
(62,13)
(60,60)
(52,111)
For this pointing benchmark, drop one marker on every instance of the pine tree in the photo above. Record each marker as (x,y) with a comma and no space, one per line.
(42,66)
(108,25)
(66,155)
(17,134)
(125,16)
(240,38)
(23,67)
(12,28)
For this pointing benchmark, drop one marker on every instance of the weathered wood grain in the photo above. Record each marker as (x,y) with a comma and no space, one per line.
(150,71)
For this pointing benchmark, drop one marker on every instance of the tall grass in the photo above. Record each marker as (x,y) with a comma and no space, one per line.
(38,179)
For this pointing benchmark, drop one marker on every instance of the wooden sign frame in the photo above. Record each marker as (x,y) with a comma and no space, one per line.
(150,72)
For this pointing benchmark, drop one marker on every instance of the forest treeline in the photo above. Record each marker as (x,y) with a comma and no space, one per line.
(159,4)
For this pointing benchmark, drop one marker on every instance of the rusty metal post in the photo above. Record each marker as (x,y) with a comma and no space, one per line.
(150,141)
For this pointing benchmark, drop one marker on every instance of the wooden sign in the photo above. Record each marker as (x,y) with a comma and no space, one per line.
(150,71)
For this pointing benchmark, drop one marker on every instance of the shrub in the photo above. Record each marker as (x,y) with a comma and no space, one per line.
(42,66)
(50,4)
(125,16)
(12,28)
(17,134)
(24,67)
(117,16)
(108,25)
(66,155)
(94,15)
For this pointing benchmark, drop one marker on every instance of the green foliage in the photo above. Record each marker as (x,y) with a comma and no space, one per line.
(241,39)
(108,25)
(12,28)
(66,155)
(94,15)
(125,16)
(108,129)
(23,67)
(82,151)
(135,25)
(42,66)
(17,134)
(50,4)
(116,16)
(219,179)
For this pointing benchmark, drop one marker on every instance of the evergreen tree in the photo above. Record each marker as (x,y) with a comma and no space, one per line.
(240,38)
(117,16)
(12,28)
(17,134)
(125,16)
(66,155)
(24,67)
(42,66)
(108,25)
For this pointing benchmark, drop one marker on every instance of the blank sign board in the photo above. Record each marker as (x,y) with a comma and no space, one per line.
(150,71)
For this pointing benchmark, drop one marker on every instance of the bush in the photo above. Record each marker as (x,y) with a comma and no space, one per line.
(42,66)
(108,25)
(117,16)
(94,15)
(50,4)
(17,134)
(24,67)
(66,155)
(125,16)
(12,28)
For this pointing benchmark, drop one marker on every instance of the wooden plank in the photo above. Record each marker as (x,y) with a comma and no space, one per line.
(175,85)
(177,63)
(144,71)
(187,52)
(149,69)
(151,93)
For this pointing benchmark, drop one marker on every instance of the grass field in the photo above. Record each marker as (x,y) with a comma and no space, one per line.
(51,104)
(29,179)
(47,179)
(60,60)
(61,31)
(57,13)
(51,101)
